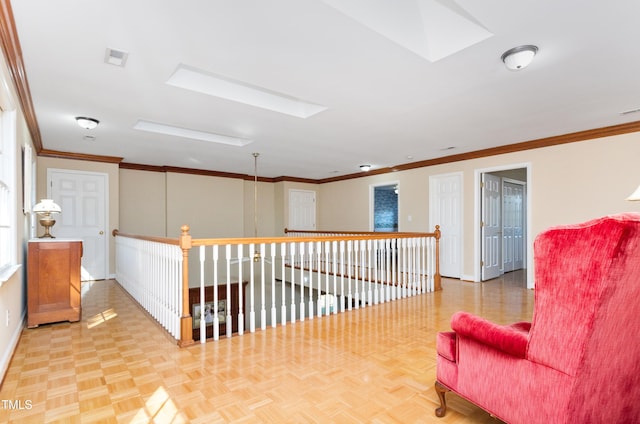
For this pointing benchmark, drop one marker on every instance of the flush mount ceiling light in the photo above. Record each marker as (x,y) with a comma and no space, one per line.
(519,57)
(87,123)
(365,168)
(187,133)
(237,91)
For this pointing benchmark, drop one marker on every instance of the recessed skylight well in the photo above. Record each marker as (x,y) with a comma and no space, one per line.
(237,91)
(192,134)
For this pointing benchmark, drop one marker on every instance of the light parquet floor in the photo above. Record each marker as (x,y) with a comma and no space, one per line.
(372,365)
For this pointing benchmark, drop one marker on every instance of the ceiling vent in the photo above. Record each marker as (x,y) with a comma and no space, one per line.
(116,57)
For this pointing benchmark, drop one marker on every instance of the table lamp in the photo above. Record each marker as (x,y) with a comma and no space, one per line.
(45,209)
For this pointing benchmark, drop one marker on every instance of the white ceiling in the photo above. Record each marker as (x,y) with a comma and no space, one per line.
(401,80)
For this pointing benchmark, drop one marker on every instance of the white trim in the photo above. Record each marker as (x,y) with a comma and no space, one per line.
(477,218)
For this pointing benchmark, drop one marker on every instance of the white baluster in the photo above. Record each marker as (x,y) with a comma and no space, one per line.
(318,256)
(356,269)
(311,272)
(373,269)
(327,265)
(394,268)
(273,285)
(203,324)
(349,269)
(364,294)
(342,270)
(240,290)
(283,308)
(263,310)
(334,252)
(216,318)
(293,282)
(302,262)
(229,322)
(252,271)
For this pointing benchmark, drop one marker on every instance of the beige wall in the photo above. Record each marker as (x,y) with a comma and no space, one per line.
(143,203)
(569,183)
(212,206)
(110,169)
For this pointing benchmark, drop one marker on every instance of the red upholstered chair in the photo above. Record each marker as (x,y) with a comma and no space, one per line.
(578,361)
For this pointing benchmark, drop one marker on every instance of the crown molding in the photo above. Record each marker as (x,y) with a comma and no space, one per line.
(78,156)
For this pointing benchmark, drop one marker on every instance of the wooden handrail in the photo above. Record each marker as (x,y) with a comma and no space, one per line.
(383,233)
(147,238)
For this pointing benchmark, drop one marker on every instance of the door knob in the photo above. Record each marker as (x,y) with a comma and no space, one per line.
(101,232)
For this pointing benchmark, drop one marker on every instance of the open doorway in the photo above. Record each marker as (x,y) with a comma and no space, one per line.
(503,209)
(384,209)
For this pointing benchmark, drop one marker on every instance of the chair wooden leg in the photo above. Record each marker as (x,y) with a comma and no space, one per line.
(441,391)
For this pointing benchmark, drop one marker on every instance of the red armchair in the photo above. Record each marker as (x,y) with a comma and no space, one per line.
(578,361)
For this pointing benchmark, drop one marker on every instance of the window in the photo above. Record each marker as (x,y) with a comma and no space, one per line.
(8,196)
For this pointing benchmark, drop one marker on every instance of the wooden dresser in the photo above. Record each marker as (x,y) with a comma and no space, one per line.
(53,281)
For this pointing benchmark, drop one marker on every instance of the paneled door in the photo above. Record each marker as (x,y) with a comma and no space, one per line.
(445,200)
(491,227)
(513,225)
(83,199)
(302,210)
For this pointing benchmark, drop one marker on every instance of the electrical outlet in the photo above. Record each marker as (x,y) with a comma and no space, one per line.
(8,317)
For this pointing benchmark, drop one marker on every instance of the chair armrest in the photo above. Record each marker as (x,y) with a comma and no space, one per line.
(512,339)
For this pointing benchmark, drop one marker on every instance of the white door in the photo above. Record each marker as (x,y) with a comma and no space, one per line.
(302,210)
(445,210)
(491,227)
(83,200)
(513,225)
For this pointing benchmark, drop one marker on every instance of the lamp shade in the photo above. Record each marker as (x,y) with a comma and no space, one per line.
(519,57)
(635,196)
(47,206)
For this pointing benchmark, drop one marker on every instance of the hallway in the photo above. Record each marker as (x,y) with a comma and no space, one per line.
(375,364)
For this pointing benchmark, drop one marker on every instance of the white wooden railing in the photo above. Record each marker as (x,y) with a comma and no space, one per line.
(150,270)
(248,284)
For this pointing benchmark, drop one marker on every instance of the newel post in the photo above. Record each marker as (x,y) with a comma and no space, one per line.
(186,321)
(437,280)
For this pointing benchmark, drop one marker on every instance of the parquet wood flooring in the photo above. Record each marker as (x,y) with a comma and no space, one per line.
(371,365)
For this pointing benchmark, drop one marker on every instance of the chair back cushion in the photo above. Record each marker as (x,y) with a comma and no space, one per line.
(587,298)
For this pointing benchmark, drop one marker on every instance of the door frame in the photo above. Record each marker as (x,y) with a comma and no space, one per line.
(51,171)
(477,218)
(372,199)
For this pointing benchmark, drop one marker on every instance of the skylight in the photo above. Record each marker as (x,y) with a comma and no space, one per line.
(213,85)
(433,29)
(187,133)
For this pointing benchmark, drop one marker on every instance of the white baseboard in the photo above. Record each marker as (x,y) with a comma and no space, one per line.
(5,360)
